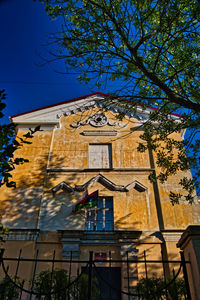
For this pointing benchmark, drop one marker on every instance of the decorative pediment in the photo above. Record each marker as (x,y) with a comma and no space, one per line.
(51,114)
(102,180)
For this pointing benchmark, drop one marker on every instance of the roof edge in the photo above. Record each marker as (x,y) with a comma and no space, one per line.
(77,99)
(59,103)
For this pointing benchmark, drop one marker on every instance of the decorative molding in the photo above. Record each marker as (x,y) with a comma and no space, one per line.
(137,186)
(71,244)
(89,170)
(73,239)
(172,236)
(63,186)
(74,109)
(22,235)
(104,181)
(46,126)
(97,120)
(51,114)
(99,133)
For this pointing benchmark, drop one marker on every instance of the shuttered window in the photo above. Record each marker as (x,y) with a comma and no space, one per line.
(100,156)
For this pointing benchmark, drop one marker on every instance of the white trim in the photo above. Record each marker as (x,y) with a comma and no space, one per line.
(51,147)
(52,114)
(104,181)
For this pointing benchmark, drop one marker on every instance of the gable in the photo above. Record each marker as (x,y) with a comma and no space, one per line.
(51,114)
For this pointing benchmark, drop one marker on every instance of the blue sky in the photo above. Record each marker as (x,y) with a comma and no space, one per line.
(24,27)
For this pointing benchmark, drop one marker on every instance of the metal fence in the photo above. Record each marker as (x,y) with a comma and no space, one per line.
(104,278)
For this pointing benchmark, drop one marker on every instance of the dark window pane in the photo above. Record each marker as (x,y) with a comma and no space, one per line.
(101,217)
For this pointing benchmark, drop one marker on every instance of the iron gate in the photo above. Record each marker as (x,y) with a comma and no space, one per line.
(92,279)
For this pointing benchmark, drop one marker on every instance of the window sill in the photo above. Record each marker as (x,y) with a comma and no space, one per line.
(92,232)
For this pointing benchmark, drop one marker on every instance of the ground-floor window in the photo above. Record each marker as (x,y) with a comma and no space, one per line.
(100,218)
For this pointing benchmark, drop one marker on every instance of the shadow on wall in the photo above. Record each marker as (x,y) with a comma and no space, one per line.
(20,206)
(33,205)
(123,222)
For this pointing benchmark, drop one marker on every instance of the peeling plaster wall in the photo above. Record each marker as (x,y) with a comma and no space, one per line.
(61,154)
(132,209)
(70,147)
(20,207)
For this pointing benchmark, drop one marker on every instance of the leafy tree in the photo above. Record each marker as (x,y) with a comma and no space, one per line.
(9,143)
(3,231)
(151,49)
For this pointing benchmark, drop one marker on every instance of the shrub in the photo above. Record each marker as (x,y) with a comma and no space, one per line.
(154,288)
(8,291)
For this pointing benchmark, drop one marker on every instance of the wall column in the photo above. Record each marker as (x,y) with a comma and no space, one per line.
(190,244)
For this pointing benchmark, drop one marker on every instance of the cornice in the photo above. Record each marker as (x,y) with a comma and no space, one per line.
(89,170)
(22,235)
(51,114)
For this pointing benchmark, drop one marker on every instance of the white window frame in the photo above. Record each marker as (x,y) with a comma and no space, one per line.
(93,222)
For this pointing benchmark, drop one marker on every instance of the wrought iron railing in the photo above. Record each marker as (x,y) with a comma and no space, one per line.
(92,279)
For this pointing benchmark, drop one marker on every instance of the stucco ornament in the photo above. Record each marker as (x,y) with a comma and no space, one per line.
(102,180)
(97,120)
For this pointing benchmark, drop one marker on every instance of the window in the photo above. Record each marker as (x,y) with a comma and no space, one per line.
(100,218)
(100,156)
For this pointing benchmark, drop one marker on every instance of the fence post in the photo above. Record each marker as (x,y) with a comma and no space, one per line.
(185,275)
(145,264)
(34,272)
(127,265)
(1,255)
(164,272)
(110,274)
(90,276)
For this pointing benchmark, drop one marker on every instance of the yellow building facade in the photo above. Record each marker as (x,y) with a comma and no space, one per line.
(80,149)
